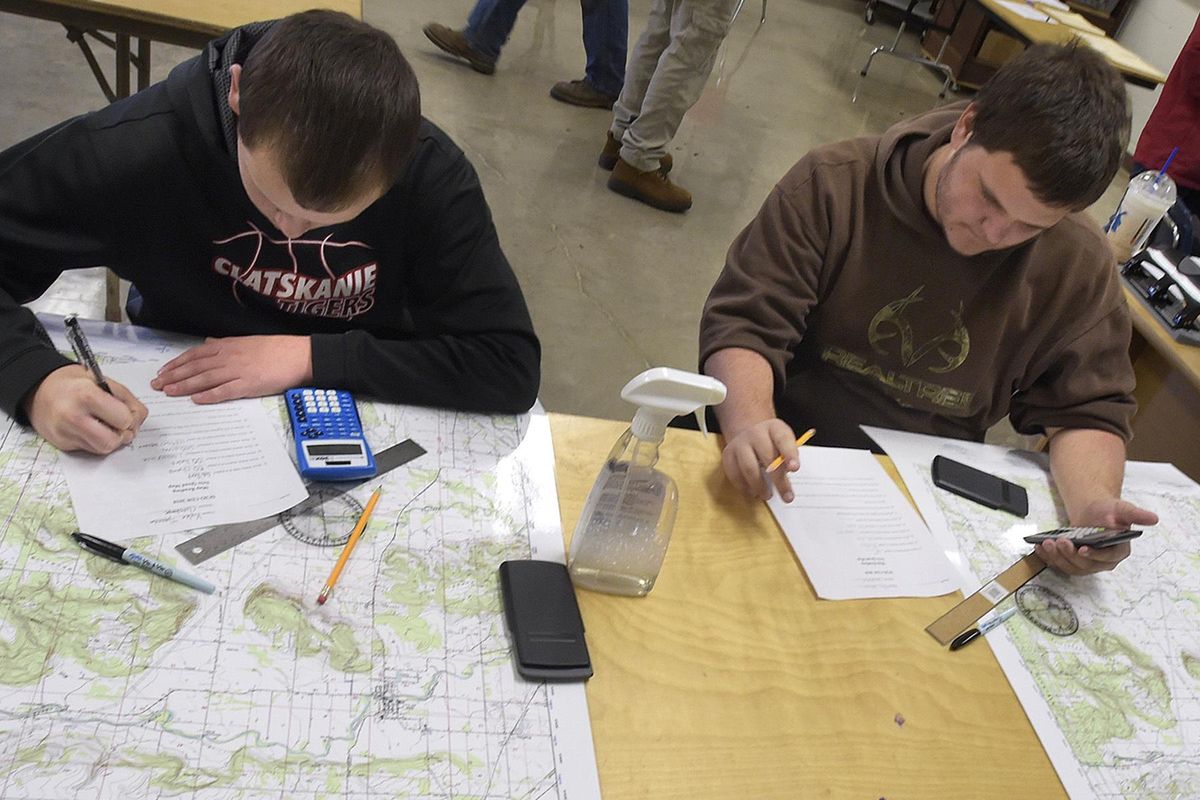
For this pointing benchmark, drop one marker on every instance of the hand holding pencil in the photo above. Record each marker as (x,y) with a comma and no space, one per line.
(804,437)
(759,457)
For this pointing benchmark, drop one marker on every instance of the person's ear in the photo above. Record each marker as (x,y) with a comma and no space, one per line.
(963,128)
(235,75)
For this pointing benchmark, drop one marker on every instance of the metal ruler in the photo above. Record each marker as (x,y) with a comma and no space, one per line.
(215,541)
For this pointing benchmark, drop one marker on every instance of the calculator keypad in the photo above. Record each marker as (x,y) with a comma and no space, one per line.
(321,412)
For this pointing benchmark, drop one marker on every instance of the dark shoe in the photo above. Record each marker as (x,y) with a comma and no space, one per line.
(612,152)
(653,188)
(581,93)
(455,43)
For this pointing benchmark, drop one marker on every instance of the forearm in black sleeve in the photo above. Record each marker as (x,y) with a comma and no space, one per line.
(48,221)
(25,358)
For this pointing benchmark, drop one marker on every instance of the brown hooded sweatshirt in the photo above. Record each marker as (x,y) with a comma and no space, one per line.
(847,286)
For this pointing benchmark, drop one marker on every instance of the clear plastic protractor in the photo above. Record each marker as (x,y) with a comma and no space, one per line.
(1047,609)
(328,523)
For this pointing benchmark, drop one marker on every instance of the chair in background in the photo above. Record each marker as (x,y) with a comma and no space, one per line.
(743,2)
(933,63)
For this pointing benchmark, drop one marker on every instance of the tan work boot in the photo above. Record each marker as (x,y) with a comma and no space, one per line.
(653,188)
(455,43)
(612,151)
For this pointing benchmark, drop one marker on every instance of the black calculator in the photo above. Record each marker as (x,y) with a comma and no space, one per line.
(330,445)
(1092,537)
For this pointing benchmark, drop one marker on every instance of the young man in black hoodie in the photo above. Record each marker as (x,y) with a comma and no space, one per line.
(282,194)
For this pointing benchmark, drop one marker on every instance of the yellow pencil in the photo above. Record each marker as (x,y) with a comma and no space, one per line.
(354,537)
(808,434)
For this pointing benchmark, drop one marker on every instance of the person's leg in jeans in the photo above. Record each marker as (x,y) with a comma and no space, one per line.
(488,26)
(490,23)
(605,42)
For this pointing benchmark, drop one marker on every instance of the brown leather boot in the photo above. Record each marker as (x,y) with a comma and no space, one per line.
(455,43)
(653,188)
(612,151)
(581,93)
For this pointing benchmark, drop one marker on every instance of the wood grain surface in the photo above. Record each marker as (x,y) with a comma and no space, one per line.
(730,679)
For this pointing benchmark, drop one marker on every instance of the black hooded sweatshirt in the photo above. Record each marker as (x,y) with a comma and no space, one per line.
(410,302)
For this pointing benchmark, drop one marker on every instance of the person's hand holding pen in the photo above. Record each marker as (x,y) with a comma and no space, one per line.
(70,410)
(76,408)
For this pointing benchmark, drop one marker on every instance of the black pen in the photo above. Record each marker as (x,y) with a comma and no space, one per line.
(966,637)
(83,351)
(123,555)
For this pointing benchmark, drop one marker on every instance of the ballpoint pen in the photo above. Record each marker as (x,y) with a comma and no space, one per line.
(966,637)
(123,555)
(354,537)
(83,350)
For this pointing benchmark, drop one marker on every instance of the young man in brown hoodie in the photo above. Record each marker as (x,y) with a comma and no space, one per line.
(936,279)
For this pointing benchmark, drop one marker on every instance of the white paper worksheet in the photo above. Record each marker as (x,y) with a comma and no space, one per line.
(191,466)
(855,533)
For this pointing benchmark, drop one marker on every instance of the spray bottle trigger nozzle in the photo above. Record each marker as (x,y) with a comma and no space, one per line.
(701,420)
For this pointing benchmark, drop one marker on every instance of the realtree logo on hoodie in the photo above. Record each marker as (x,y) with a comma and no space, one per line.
(318,277)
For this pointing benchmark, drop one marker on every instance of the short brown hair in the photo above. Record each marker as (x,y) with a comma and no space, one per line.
(338,100)
(1062,112)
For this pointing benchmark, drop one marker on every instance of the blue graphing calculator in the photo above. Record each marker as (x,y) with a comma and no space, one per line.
(329,440)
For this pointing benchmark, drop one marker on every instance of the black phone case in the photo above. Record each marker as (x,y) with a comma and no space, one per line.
(982,487)
(547,628)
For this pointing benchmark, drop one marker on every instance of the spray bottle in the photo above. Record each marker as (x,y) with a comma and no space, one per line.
(622,535)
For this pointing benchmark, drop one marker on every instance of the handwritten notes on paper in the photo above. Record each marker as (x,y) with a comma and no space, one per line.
(855,533)
(191,466)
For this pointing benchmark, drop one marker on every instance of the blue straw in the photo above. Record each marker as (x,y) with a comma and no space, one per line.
(1166,164)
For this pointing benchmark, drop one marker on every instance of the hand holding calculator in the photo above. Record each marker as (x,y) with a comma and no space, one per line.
(1091,537)
(330,445)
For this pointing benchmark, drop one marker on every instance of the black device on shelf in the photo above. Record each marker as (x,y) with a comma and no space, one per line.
(1167,282)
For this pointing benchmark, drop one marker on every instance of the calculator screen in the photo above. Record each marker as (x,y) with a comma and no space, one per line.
(333,449)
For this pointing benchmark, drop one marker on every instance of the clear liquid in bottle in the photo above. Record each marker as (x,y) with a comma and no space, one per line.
(622,537)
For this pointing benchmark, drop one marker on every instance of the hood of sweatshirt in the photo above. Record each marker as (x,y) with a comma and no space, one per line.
(900,164)
(199,88)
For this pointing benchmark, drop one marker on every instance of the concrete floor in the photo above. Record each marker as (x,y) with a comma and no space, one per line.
(614,286)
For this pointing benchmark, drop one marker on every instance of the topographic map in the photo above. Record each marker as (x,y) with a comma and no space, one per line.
(1117,703)
(118,684)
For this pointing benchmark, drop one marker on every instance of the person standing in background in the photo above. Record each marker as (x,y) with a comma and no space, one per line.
(605,41)
(670,65)
(1175,122)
